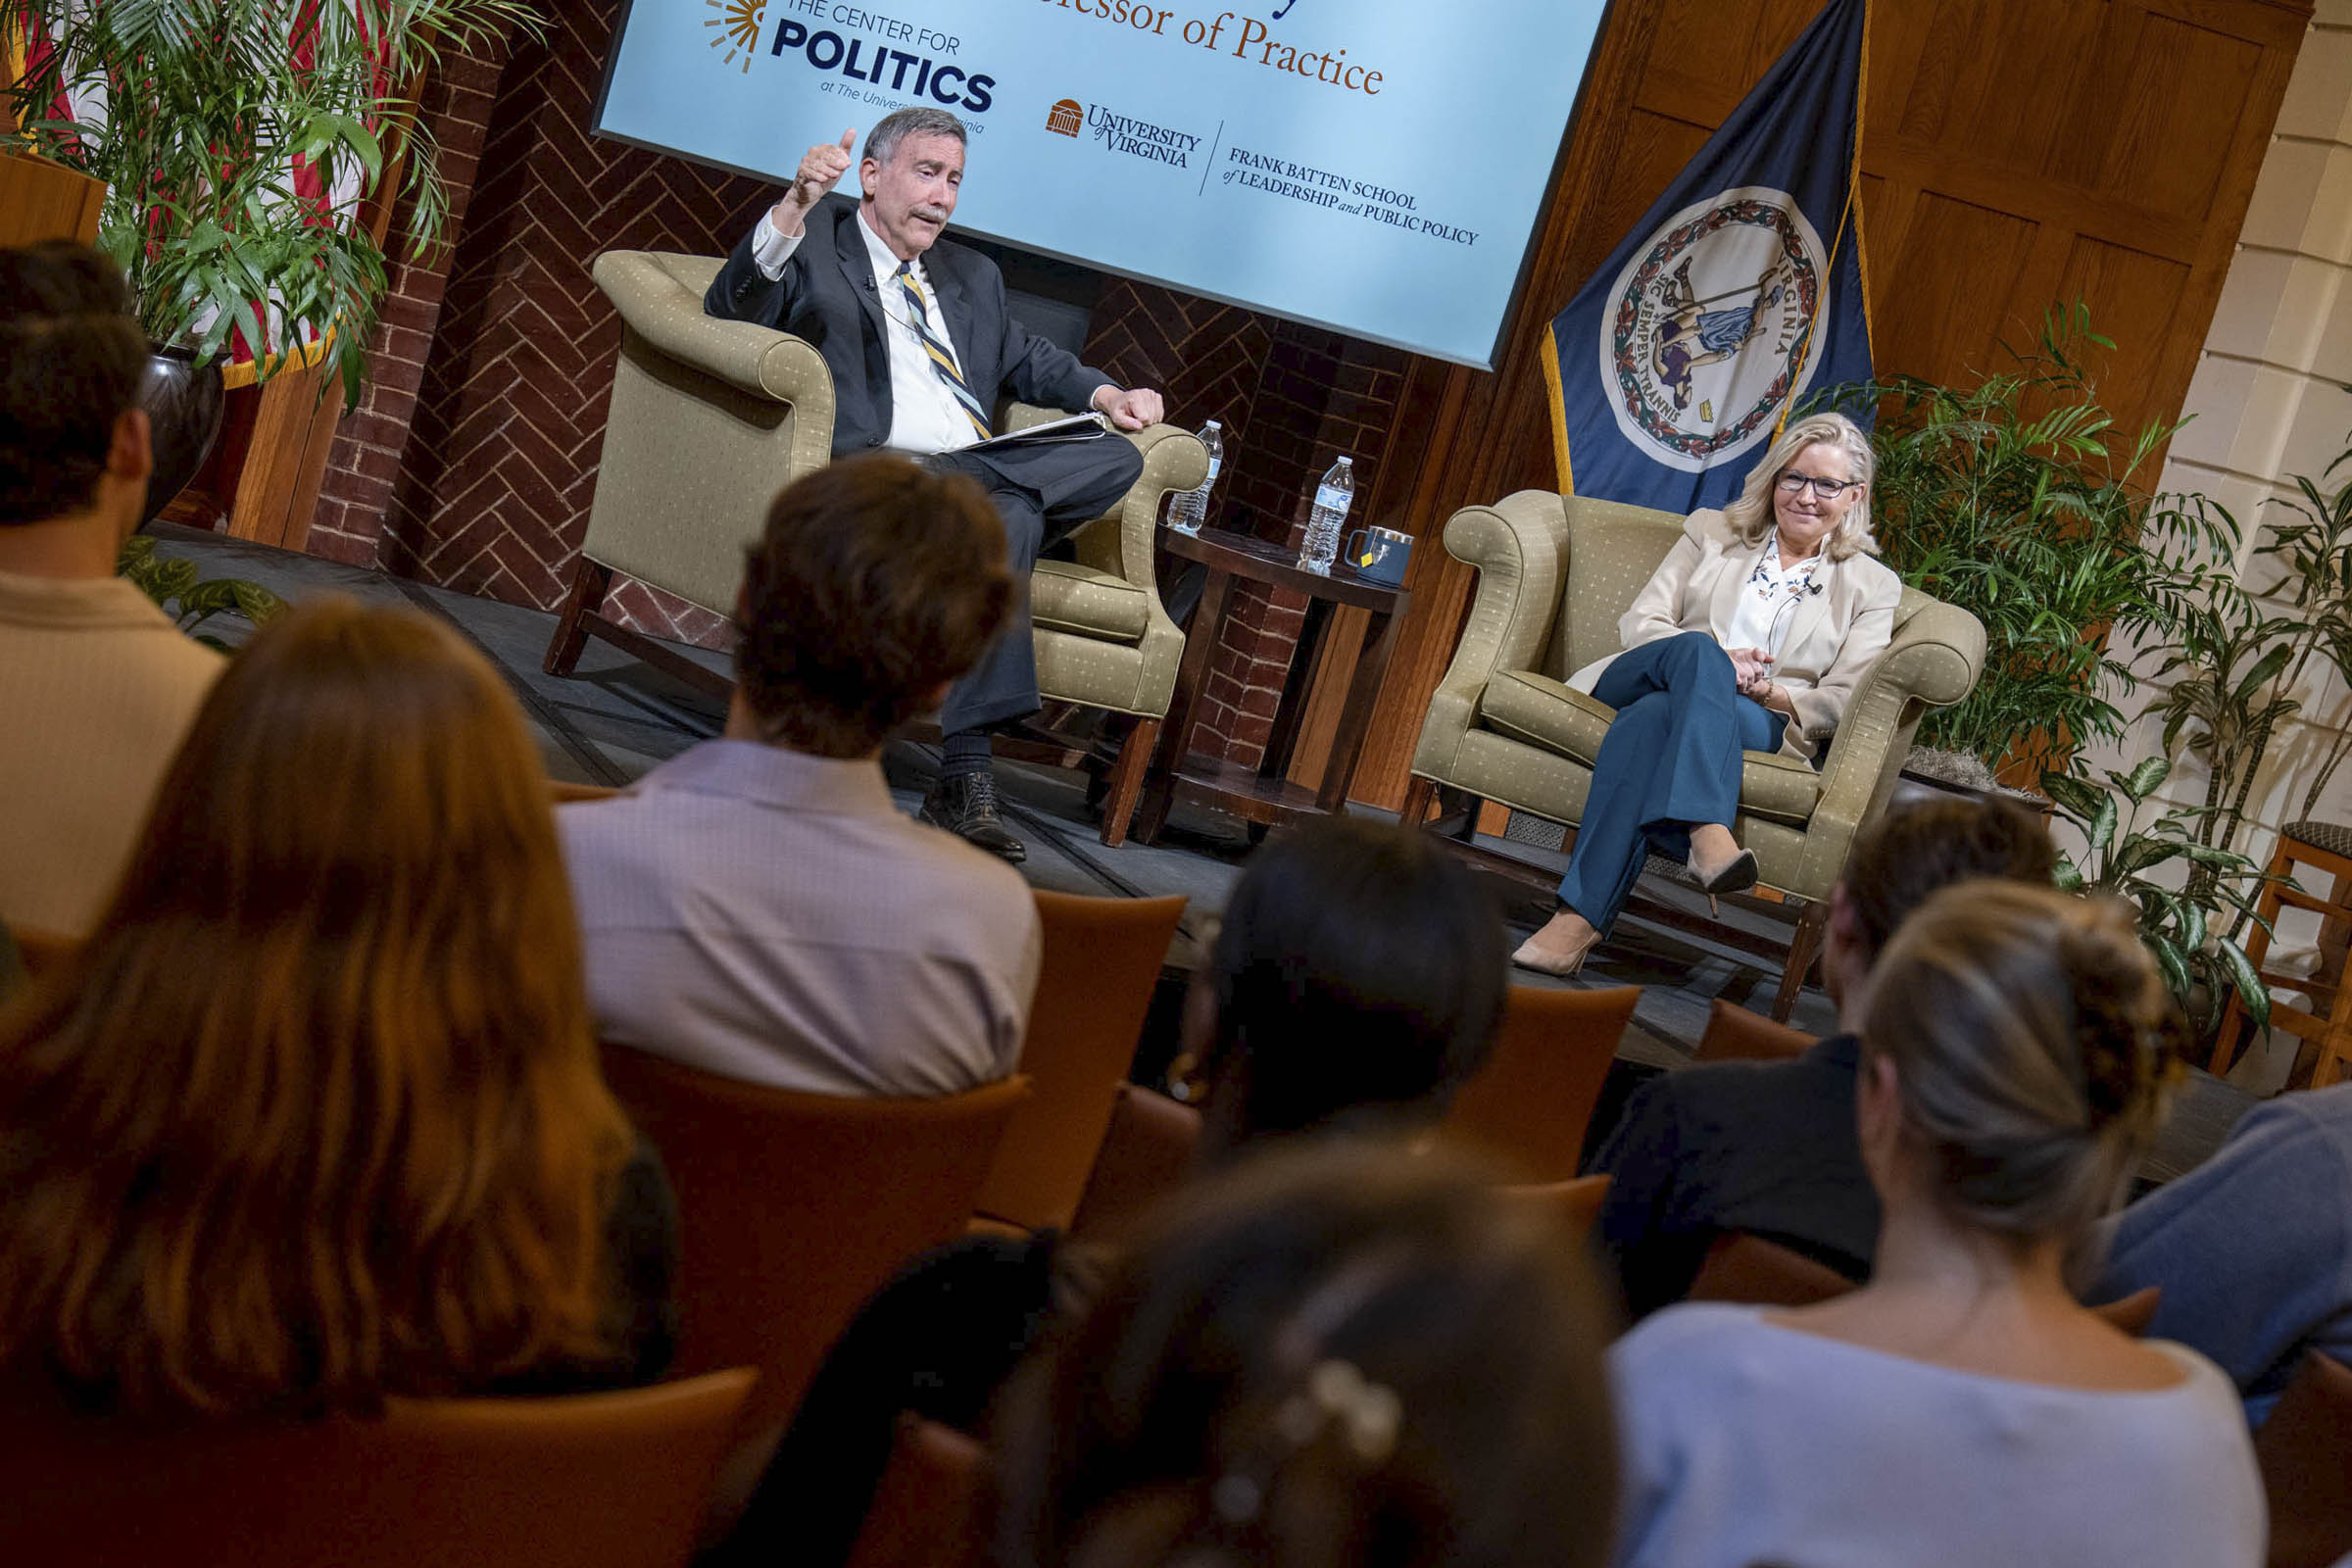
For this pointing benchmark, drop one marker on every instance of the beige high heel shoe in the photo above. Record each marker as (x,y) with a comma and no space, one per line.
(1547,960)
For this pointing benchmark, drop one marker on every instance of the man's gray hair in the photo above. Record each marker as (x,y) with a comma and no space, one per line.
(899,124)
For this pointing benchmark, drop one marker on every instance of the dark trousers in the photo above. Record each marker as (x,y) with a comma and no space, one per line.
(1670,763)
(1042,495)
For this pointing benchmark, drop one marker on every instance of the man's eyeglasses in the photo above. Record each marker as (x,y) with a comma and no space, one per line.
(1824,488)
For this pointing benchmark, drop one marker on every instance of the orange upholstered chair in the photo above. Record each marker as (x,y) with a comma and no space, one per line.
(1103,958)
(2135,1312)
(1573,1204)
(1735,1034)
(1147,1154)
(2304,1450)
(1740,1267)
(43,951)
(794,1209)
(592,1481)
(1528,1105)
(926,1511)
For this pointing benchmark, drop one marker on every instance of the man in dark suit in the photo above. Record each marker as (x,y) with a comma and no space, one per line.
(920,346)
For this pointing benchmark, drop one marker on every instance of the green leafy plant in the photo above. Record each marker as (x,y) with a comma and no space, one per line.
(179,590)
(2121,858)
(196,113)
(2018,500)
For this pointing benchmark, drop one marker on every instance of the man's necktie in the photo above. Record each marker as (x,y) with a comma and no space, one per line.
(943,359)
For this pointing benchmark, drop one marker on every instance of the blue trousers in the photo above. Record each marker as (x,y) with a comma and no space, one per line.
(1670,763)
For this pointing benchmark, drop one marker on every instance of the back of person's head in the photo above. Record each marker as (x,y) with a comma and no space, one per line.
(1916,851)
(1342,1360)
(2032,1039)
(875,584)
(1357,980)
(71,356)
(315,1114)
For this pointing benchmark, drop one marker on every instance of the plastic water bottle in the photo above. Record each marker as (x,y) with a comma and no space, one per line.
(1332,498)
(1190,508)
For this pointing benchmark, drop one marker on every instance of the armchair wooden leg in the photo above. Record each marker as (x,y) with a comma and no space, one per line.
(1804,942)
(1127,780)
(1420,794)
(589,580)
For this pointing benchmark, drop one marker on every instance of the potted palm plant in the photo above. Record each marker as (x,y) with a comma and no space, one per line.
(242,143)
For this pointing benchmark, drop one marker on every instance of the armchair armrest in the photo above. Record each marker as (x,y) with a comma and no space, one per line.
(1934,662)
(1173,459)
(660,298)
(1519,547)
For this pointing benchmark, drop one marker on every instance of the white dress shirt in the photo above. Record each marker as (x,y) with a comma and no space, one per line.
(924,416)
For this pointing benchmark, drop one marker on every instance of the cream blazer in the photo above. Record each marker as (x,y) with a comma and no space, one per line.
(1834,637)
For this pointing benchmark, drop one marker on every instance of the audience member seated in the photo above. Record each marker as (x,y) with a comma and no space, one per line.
(1355,985)
(1769,1147)
(88,665)
(2253,1249)
(757,906)
(1960,1408)
(1340,1361)
(314,1118)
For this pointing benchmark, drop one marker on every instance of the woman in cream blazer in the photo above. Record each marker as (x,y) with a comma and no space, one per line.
(1750,636)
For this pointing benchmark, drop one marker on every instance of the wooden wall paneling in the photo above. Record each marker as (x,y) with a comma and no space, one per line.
(2016,154)
(41,200)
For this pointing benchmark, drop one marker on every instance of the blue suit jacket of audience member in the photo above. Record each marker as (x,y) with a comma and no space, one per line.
(827,297)
(2253,1248)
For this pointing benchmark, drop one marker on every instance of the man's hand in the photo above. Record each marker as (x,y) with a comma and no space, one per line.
(821,168)
(1751,669)
(1131,409)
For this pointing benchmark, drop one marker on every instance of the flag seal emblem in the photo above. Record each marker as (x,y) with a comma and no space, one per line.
(1709,328)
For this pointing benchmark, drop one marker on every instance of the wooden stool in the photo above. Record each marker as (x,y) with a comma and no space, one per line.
(2324,847)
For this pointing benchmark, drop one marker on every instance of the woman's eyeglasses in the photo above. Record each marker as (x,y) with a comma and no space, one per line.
(1824,488)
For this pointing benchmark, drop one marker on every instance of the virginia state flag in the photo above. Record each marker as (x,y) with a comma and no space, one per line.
(1738,293)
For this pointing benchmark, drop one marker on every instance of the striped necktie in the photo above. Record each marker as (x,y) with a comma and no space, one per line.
(943,359)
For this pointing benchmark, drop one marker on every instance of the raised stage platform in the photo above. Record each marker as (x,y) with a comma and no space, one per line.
(618,717)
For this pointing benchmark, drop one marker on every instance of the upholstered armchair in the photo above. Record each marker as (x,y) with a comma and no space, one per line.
(709,418)
(1554,573)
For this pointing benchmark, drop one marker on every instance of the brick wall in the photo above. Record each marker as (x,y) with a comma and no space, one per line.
(472,457)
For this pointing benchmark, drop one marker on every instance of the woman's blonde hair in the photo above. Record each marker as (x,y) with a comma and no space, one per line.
(1751,517)
(314,1115)
(2033,1039)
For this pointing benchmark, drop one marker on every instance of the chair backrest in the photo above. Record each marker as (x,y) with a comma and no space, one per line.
(589,1481)
(1103,958)
(2305,1450)
(1573,1204)
(1613,549)
(2135,1312)
(40,950)
(926,1509)
(1528,1104)
(1146,1153)
(794,1209)
(1735,1034)
(1745,1268)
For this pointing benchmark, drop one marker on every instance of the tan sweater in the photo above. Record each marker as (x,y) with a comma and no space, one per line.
(97,689)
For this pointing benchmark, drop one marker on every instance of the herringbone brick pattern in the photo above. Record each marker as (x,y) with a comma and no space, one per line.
(493,493)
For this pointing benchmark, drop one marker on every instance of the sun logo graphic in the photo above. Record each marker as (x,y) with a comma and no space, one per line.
(735,28)
(1067,115)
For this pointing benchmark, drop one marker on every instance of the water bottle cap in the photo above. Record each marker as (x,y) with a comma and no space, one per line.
(1213,426)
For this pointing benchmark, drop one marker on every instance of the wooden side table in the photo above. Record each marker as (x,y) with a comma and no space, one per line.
(1264,796)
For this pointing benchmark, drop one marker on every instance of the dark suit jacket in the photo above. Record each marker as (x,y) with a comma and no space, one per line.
(1765,1148)
(827,296)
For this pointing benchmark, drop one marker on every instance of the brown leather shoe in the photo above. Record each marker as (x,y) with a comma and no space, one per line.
(965,805)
